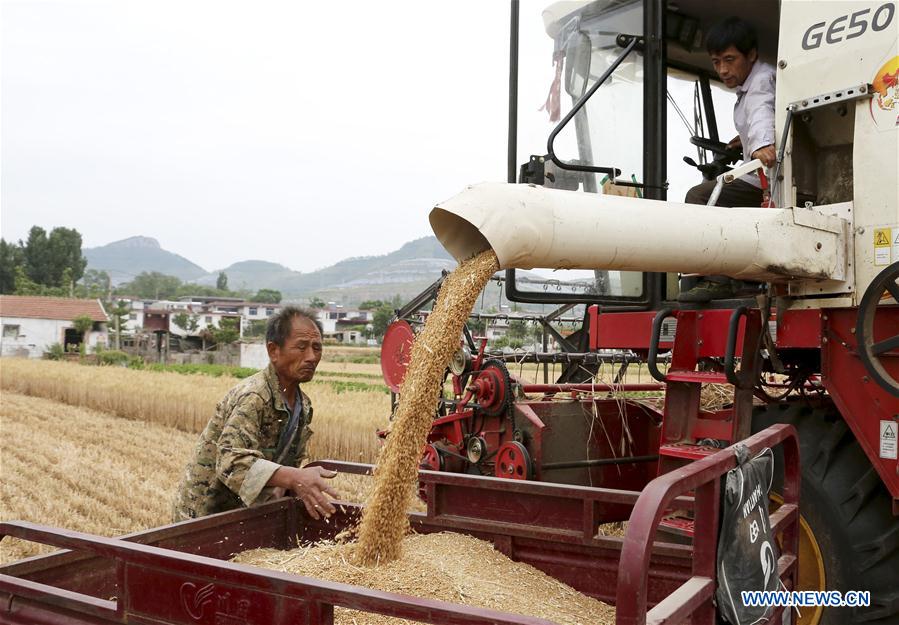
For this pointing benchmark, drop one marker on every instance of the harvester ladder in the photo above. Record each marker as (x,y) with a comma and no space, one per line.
(688,431)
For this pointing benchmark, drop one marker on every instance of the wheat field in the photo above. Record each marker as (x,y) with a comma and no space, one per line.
(345,423)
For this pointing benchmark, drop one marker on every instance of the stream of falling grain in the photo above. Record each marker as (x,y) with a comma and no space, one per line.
(384,521)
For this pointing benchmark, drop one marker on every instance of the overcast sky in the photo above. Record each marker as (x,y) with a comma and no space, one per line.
(296,132)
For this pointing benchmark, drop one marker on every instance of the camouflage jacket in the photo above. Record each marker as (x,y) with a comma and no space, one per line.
(235,456)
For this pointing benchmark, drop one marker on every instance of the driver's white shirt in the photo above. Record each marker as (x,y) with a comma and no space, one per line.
(754,113)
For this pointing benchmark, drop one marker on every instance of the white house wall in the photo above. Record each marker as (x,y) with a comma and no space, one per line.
(253,355)
(36,336)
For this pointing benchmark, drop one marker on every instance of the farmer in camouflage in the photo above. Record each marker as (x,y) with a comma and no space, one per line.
(251,449)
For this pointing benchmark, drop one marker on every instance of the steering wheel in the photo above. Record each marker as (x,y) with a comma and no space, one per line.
(718,148)
(724,156)
(881,293)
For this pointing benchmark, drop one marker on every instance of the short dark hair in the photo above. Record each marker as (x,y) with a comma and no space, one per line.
(281,323)
(731,31)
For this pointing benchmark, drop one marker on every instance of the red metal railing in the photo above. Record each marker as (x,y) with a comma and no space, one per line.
(694,597)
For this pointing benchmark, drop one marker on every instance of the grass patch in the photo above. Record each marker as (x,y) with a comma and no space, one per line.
(340,374)
(340,386)
(215,371)
(356,359)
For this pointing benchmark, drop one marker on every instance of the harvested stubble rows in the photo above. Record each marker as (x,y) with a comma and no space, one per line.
(93,472)
(449,567)
(345,423)
(384,521)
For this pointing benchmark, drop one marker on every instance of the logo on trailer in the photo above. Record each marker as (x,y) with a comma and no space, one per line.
(226,610)
(195,601)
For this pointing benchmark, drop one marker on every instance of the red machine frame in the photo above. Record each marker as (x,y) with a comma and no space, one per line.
(861,402)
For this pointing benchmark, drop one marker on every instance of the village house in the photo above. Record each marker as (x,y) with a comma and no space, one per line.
(345,325)
(212,309)
(207,311)
(31,324)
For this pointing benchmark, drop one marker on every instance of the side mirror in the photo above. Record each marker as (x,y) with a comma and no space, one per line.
(578,54)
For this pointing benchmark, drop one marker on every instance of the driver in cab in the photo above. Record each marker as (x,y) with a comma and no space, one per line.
(733,47)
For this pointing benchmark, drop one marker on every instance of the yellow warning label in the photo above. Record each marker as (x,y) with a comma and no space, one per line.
(882,244)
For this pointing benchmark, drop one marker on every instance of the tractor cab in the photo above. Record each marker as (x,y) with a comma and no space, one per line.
(672,134)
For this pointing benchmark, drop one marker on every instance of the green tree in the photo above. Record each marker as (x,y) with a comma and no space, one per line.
(65,252)
(95,285)
(189,288)
(257,327)
(222,282)
(11,260)
(381,320)
(316,302)
(151,285)
(477,327)
(23,285)
(48,257)
(227,332)
(267,296)
(119,314)
(187,322)
(537,333)
(370,304)
(83,325)
(37,251)
(517,329)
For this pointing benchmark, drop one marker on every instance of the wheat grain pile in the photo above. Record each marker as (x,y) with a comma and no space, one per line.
(384,521)
(447,566)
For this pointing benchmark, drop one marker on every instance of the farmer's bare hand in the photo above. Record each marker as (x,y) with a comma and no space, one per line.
(310,486)
(767,155)
(735,143)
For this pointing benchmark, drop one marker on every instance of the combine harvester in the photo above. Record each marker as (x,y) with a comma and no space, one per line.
(830,268)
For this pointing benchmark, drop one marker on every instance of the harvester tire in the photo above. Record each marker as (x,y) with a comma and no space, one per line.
(847,509)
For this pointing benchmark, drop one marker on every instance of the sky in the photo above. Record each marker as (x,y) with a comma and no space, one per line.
(296,132)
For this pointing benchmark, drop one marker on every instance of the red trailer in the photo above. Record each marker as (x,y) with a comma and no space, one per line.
(179,574)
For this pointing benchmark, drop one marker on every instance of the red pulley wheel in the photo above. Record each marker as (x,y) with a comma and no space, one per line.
(513,462)
(396,349)
(430,459)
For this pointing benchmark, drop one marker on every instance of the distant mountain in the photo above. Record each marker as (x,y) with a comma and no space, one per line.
(404,272)
(251,275)
(125,259)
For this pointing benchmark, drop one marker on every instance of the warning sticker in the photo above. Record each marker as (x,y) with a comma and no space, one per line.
(883,244)
(888,434)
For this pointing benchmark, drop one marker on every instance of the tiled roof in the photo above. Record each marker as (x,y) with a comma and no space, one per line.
(62,308)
